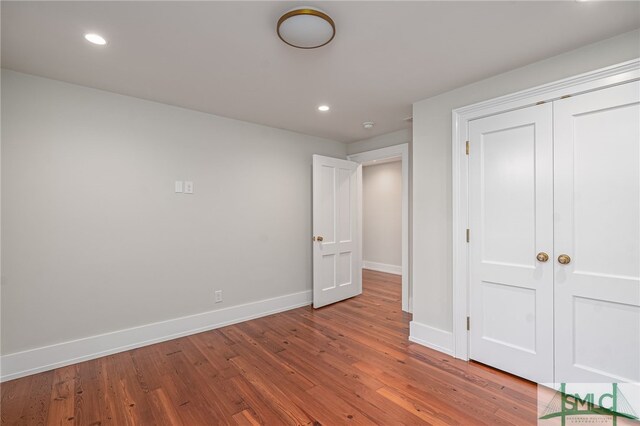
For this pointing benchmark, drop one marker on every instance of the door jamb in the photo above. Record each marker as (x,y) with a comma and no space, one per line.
(594,80)
(401,151)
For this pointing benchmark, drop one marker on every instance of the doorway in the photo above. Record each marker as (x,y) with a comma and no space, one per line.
(385,213)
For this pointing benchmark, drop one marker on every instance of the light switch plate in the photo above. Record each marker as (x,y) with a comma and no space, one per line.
(188,187)
(179,186)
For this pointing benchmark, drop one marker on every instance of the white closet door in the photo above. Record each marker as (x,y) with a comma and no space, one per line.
(511,222)
(597,224)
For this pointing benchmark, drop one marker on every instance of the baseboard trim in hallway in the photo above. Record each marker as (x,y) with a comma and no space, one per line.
(382,267)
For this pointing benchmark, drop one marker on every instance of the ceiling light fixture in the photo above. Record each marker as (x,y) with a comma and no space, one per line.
(324,108)
(95,39)
(368,124)
(306,28)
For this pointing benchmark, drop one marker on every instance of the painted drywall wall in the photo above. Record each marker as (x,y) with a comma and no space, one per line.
(95,239)
(431,184)
(382,214)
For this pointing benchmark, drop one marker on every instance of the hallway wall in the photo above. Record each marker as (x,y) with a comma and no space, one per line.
(382,216)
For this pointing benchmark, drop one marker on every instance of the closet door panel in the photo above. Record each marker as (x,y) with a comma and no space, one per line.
(597,224)
(510,221)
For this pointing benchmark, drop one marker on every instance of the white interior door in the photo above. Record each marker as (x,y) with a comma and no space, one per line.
(337,258)
(511,222)
(597,224)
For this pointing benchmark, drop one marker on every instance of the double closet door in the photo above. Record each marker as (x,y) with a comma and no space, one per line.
(554,250)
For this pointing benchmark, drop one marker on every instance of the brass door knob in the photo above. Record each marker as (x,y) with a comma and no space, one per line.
(563,259)
(542,257)
(319,238)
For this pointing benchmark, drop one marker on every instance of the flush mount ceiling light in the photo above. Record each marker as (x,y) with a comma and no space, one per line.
(95,39)
(324,108)
(306,28)
(368,124)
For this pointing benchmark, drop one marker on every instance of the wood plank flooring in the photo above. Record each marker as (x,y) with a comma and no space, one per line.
(346,363)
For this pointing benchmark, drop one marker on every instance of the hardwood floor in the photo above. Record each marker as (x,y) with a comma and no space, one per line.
(349,362)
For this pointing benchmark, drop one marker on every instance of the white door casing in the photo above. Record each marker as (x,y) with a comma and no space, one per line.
(511,221)
(597,224)
(337,258)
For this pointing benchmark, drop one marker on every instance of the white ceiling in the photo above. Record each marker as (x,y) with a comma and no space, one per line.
(225,58)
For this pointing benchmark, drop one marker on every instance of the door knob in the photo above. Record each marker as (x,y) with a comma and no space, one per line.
(318,238)
(564,259)
(542,257)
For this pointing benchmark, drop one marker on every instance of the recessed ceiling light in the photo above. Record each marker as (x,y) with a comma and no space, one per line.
(95,39)
(306,28)
(324,108)
(368,124)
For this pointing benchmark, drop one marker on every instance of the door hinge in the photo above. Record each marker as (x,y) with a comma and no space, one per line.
(565,96)
(540,102)
(467,149)
(468,323)
(468,232)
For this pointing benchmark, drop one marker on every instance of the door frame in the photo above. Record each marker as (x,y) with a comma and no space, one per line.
(582,83)
(396,151)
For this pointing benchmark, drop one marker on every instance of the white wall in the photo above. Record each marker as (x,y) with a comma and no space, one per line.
(432,221)
(95,239)
(382,214)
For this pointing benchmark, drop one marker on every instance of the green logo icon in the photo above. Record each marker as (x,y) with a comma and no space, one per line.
(566,404)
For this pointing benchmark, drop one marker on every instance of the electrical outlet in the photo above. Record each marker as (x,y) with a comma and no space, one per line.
(218,295)
(188,187)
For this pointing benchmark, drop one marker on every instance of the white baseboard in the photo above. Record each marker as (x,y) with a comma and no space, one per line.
(19,364)
(431,337)
(382,267)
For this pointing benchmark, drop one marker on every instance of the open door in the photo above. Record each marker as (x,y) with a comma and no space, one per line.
(337,253)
